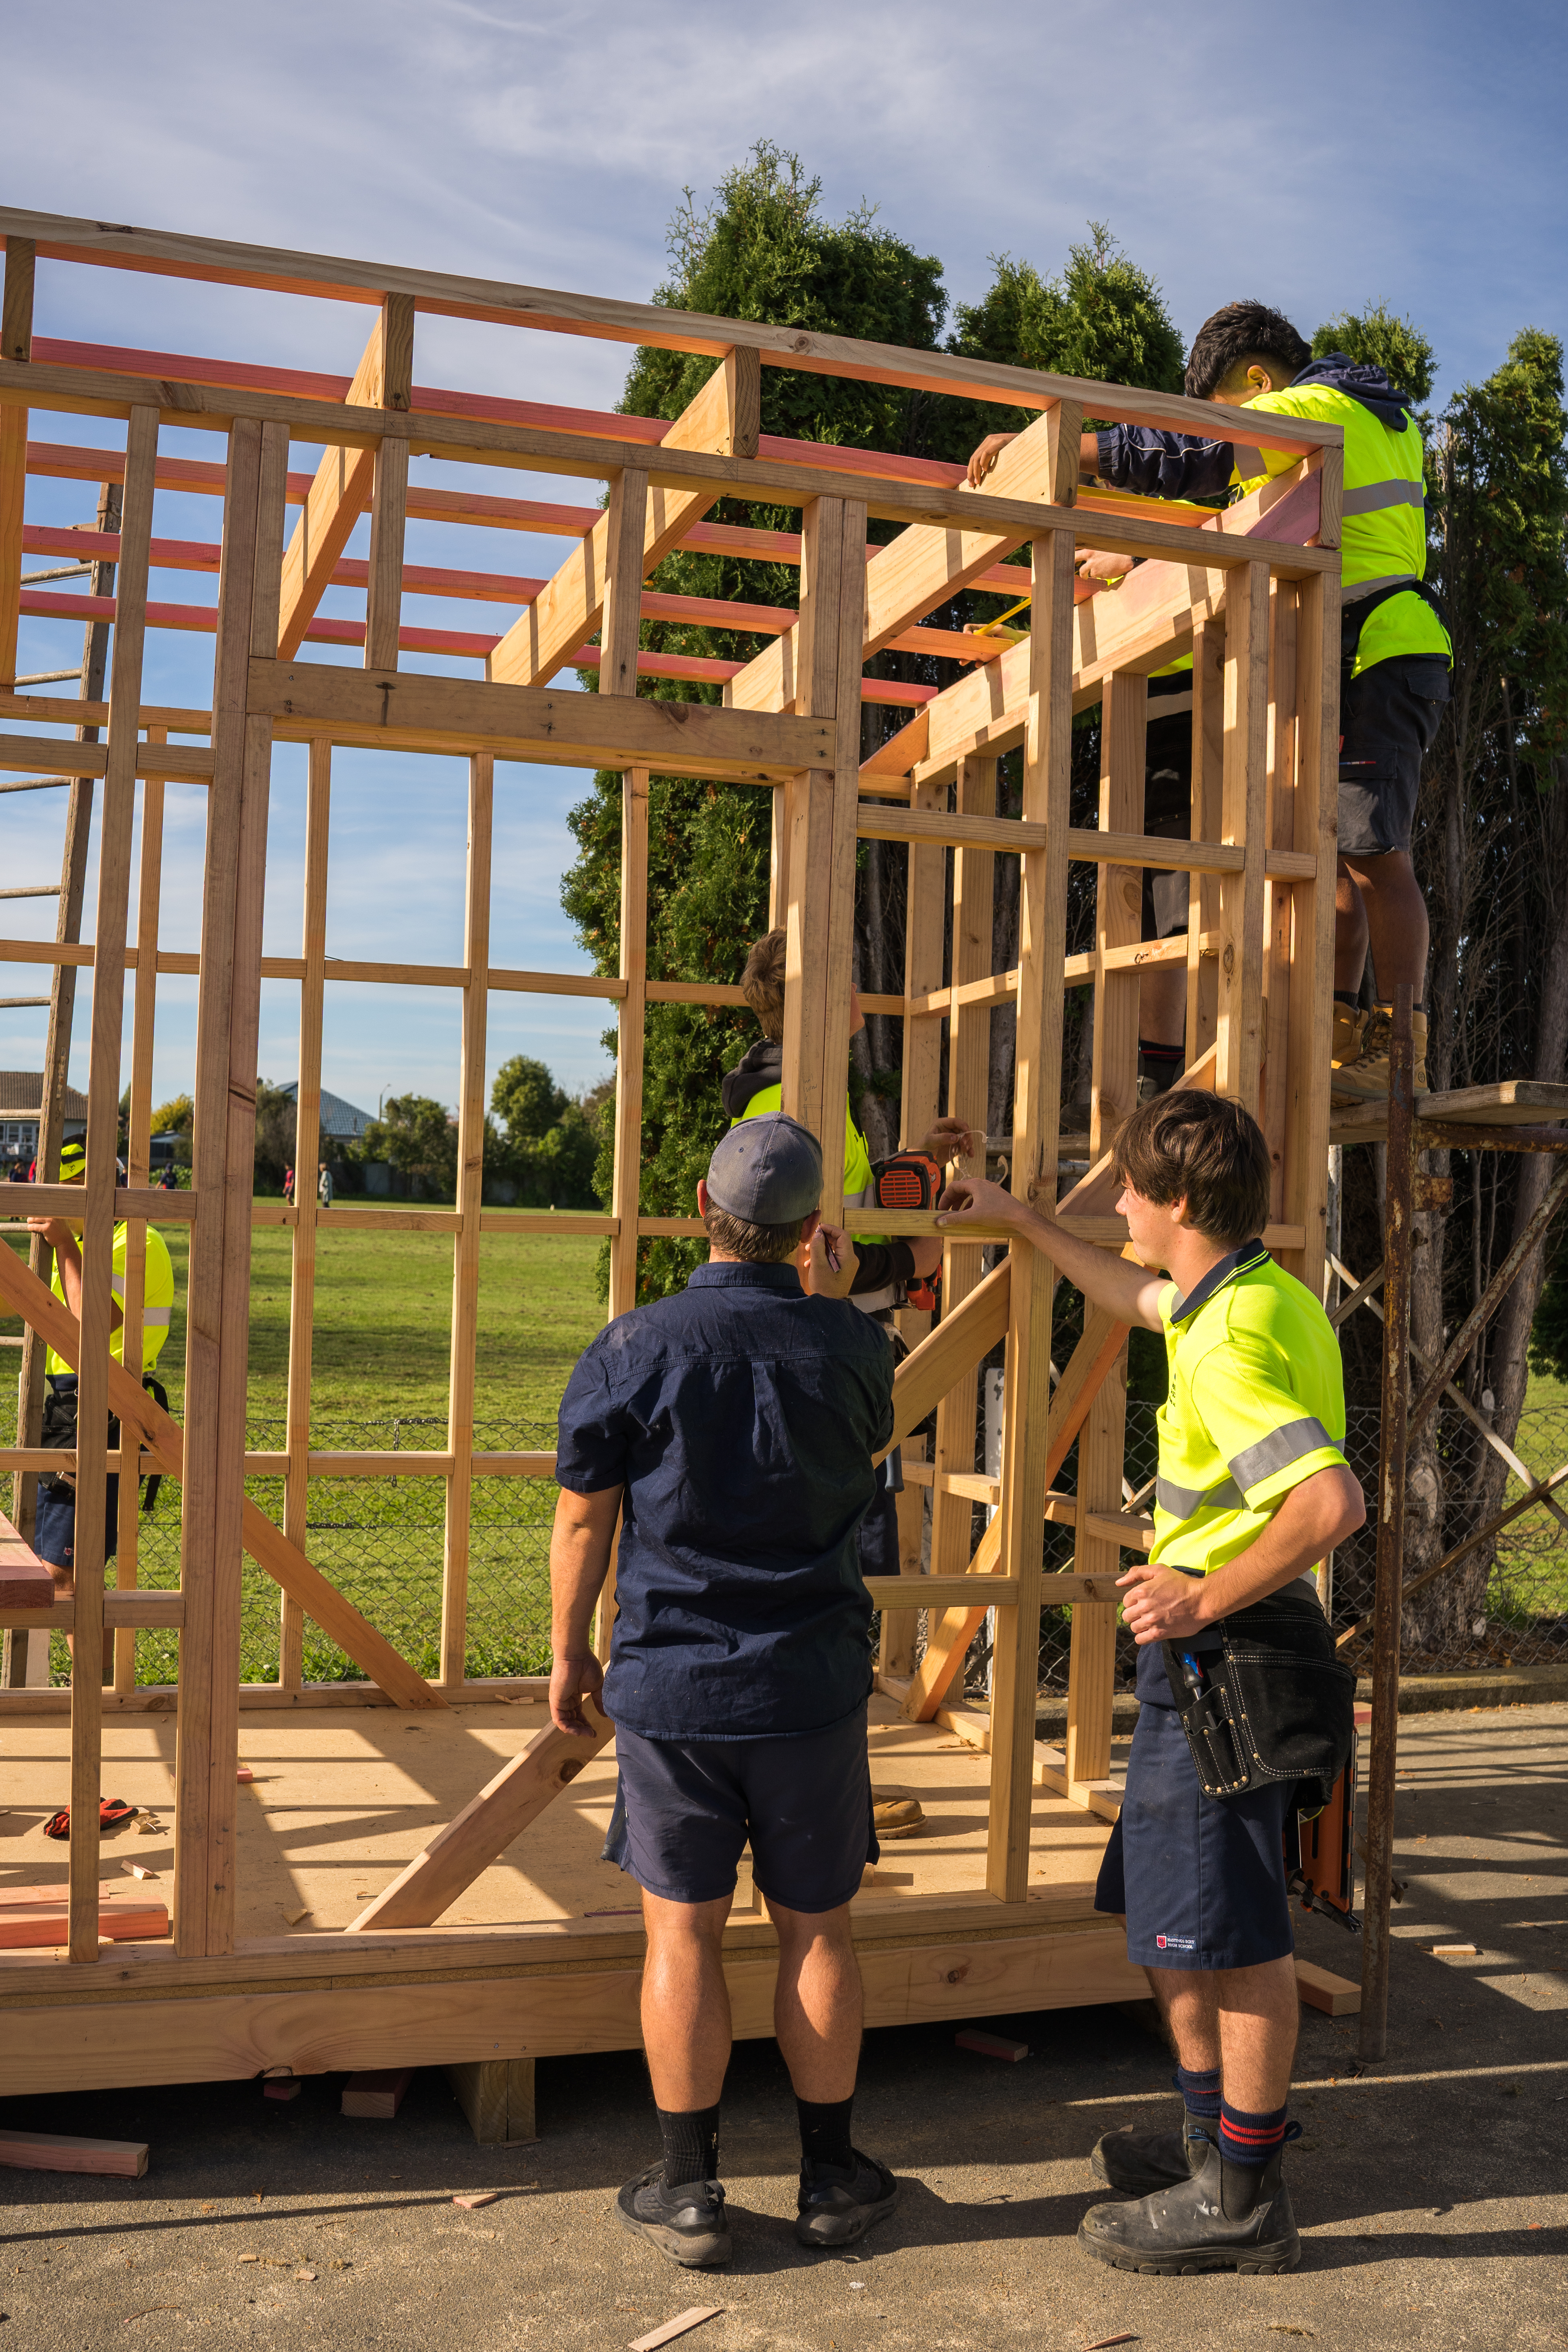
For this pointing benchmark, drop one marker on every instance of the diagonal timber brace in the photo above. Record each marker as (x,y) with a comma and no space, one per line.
(26,1295)
(723,420)
(345,478)
(926,563)
(487,1825)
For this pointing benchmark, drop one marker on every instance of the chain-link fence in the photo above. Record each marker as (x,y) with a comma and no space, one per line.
(381,1542)
(1517,1617)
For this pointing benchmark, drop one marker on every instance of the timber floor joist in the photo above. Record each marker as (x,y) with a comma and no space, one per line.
(411,1936)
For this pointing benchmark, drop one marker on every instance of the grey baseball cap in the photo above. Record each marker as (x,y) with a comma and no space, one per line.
(767,1170)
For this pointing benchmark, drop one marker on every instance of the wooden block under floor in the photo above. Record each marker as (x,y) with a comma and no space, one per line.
(497,2097)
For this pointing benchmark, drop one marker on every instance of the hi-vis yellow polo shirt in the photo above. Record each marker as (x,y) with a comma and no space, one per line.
(1256,1404)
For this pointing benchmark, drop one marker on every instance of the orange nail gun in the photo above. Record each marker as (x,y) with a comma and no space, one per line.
(911,1180)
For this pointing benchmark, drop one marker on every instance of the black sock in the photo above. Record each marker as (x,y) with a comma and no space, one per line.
(691,2144)
(824,2131)
(1164,1064)
(1350,996)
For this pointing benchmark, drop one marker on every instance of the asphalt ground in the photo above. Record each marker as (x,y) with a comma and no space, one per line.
(1431,2189)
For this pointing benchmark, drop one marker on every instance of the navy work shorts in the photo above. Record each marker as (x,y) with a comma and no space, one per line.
(687,1810)
(54,1526)
(1201,1879)
(1389,715)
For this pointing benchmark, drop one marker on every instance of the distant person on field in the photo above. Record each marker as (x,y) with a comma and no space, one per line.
(1395,657)
(55,1532)
(324,1186)
(731,1430)
(289,1186)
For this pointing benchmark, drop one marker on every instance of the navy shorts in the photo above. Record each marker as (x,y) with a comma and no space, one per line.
(1389,715)
(54,1526)
(687,1810)
(1201,1879)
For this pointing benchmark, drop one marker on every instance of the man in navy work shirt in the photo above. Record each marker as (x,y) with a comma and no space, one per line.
(733,1428)
(1253,1491)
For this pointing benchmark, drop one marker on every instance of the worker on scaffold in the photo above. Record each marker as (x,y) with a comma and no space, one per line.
(1394,652)
(1253,1492)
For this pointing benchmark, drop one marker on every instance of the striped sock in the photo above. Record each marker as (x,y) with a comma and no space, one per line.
(1199,2090)
(1246,2138)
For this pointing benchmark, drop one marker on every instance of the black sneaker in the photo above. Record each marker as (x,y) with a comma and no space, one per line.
(1228,2217)
(685,2223)
(1140,2162)
(838,2205)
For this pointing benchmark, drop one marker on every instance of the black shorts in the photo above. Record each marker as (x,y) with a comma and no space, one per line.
(1201,1880)
(688,1809)
(1167,810)
(1389,716)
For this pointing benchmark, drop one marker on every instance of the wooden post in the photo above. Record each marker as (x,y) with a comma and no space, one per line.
(821,915)
(620,631)
(466,1241)
(15,343)
(138,1170)
(1037,1101)
(1240,1036)
(97,1220)
(1280,899)
(388,519)
(1316,820)
(307,1150)
(631,1025)
(1209,809)
(1091,1657)
(968,1088)
(1118,907)
(217,1316)
(925,911)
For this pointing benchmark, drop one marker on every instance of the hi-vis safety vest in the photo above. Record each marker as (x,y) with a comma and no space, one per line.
(157,1301)
(1384,534)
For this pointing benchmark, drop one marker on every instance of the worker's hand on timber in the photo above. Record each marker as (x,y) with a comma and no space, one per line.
(985,456)
(571,1680)
(973,1200)
(950,1139)
(831,1265)
(1101,567)
(59,1232)
(1161,1605)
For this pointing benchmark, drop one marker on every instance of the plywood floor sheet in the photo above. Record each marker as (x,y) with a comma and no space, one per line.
(342,1799)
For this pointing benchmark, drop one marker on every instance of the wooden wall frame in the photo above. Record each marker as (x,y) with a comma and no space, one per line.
(1252,592)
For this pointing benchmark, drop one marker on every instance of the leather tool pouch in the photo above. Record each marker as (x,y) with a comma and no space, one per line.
(1275,1705)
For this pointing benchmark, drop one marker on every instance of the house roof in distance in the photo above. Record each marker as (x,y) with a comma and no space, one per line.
(22,1092)
(341,1120)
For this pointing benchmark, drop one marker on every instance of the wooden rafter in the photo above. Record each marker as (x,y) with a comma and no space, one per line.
(345,478)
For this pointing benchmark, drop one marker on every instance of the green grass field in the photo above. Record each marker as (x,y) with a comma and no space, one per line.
(383,1331)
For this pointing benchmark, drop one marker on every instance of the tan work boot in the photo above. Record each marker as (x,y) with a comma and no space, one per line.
(1350,1029)
(1366,1078)
(896,1814)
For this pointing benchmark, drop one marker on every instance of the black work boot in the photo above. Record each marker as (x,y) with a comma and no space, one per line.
(1227,2217)
(838,2205)
(686,2223)
(1138,2162)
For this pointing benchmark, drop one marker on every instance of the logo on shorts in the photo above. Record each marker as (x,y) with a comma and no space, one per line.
(1178,1943)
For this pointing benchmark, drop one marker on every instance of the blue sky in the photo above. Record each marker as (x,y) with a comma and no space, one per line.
(1321,159)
